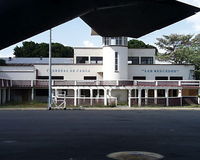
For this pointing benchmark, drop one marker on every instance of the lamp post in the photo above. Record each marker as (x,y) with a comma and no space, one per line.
(50,72)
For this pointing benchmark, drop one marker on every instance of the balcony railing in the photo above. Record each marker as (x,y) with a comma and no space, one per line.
(141,83)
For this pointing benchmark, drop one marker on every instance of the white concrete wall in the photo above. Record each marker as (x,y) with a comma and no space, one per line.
(18,72)
(71,72)
(109,72)
(142,52)
(150,71)
(87,52)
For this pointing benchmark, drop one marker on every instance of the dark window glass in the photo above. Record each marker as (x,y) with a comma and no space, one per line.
(116,61)
(133,60)
(90,78)
(139,78)
(146,60)
(53,77)
(176,78)
(96,60)
(161,78)
(82,60)
(161,92)
(41,92)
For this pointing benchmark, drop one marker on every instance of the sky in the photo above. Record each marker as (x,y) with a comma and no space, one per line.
(77,33)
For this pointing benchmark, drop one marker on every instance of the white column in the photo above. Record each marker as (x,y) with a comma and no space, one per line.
(91,96)
(139,97)
(79,96)
(32,94)
(75,97)
(98,93)
(105,97)
(155,96)
(198,96)
(146,96)
(129,97)
(0,96)
(166,96)
(4,96)
(8,98)
(180,96)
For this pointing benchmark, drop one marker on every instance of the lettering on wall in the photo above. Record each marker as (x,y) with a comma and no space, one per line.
(70,70)
(160,71)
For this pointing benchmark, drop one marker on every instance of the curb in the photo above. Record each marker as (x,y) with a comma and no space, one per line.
(104,109)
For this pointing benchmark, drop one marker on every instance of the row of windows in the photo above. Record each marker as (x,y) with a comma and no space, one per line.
(115,41)
(136,60)
(93,60)
(158,78)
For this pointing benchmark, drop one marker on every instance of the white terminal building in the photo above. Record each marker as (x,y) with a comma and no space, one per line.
(110,75)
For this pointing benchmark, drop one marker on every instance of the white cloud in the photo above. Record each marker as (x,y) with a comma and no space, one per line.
(194,20)
(88,44)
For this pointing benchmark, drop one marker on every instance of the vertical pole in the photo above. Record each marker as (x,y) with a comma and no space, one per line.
(105,97)
(91,96)
(129,97)
(180,96)
(166,96)
(32,94)
(50,73)
(0,97)
(8,95)
(146,96)
(139,97)
(198,96)
(155,96)
(4,96)
(75,97)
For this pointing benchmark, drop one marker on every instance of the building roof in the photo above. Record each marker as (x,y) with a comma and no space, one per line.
(132,18)
(38,60)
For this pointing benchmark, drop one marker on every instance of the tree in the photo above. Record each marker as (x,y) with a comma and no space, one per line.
(181,49)
(139,44)
(32,49)
(2,62)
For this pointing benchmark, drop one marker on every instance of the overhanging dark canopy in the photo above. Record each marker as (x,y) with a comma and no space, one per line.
(21,19)
(138,18)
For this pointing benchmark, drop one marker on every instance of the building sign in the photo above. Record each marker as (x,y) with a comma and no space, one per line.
(70,70)
(160,71)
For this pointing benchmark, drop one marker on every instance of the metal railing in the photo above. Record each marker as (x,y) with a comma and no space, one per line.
(151,83)
(4,83)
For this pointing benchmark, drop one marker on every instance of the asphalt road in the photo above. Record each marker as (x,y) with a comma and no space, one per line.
(91,135)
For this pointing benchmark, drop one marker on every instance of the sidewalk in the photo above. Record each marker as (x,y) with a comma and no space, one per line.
(107,109)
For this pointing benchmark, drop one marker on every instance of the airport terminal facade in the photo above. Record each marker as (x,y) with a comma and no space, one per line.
(110,75)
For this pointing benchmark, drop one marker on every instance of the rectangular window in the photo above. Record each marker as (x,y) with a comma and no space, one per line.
(116,61)
(161,78)
(139,78)
(41,92)
(52,77)
(96,60)
(133,60)
(82,60)
(176,78)
(90,78)
(146,60)
(161,93)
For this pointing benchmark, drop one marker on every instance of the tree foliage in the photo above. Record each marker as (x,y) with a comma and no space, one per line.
(2,62)
(181,49)
(139,44)
(32,49)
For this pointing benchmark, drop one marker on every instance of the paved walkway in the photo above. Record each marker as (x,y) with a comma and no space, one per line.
(112,109)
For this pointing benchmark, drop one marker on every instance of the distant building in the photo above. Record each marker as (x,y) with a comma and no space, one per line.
(101,76)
